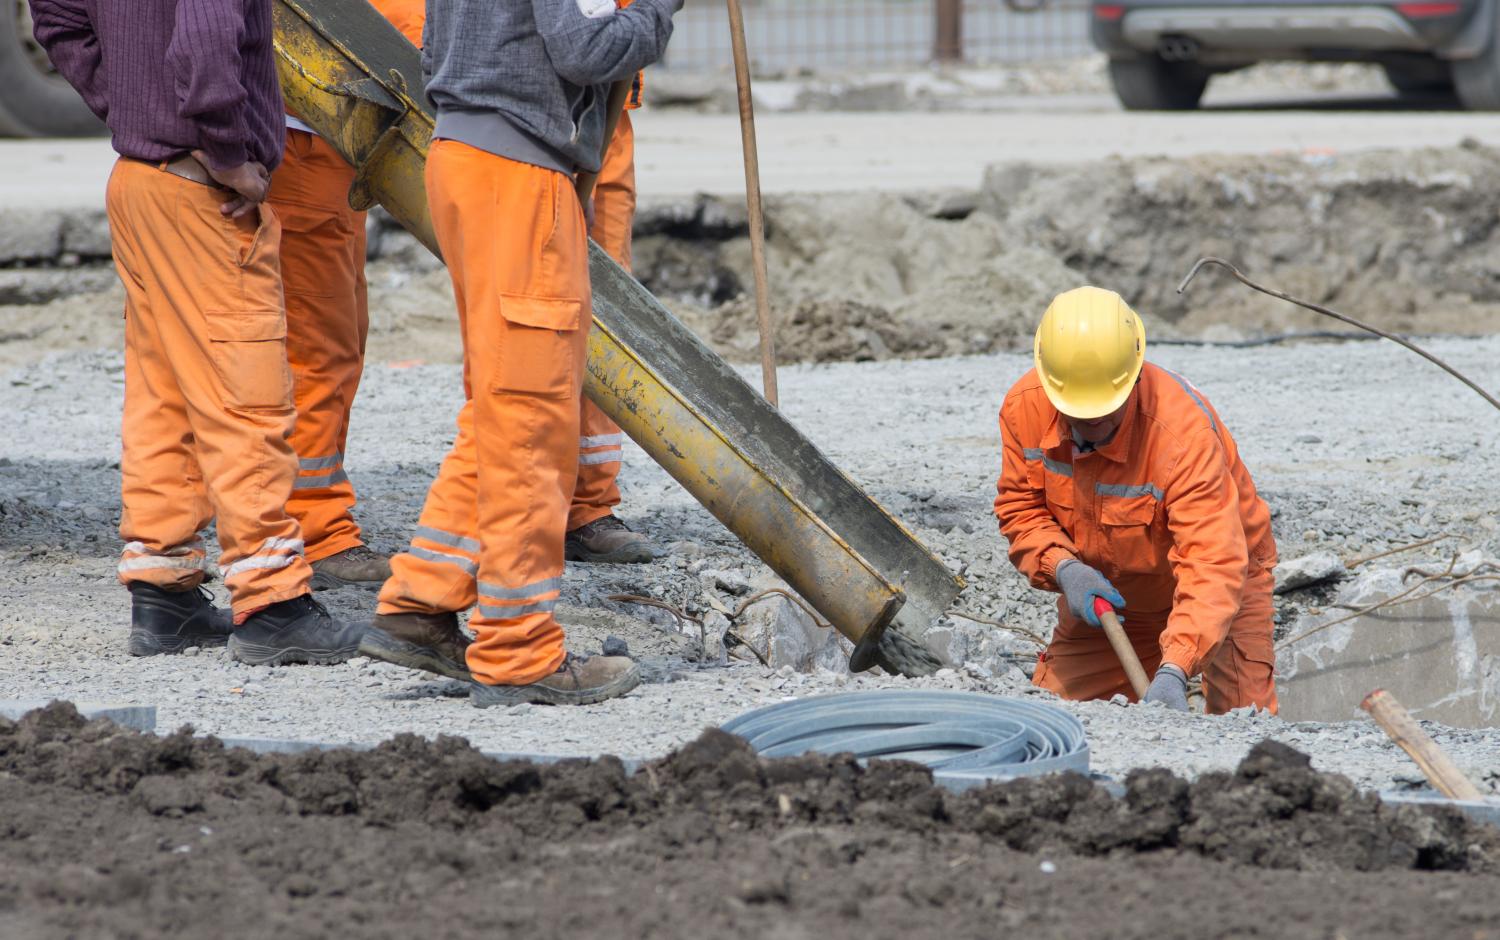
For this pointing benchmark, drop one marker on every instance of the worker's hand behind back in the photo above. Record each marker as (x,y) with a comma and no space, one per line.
(1080,585)
(250,181)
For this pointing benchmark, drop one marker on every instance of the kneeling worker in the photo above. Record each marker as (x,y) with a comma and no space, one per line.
(520,90)
(1121,482)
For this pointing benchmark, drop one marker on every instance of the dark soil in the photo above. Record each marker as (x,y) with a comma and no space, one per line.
(105,832)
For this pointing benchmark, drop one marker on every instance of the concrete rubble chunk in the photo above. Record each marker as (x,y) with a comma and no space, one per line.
(788,637)
(1308,570)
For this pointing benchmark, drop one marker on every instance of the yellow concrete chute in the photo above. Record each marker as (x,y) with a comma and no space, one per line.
(352,77)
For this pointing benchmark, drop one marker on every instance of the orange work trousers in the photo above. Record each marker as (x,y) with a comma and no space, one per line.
(491,532)
(1080,664)
(327,317)
(601,443)
(208,395)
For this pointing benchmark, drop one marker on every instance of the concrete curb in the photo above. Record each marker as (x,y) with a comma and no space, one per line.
(134,717)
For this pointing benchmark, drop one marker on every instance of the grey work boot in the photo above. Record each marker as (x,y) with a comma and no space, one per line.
(357,567)
(610,541)
(296,631)
(163,621)
(580,680)
(430,642)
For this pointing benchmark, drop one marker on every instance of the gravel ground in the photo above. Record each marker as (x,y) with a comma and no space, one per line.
(1356,446)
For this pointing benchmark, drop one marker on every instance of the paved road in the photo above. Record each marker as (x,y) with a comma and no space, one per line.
(682,153)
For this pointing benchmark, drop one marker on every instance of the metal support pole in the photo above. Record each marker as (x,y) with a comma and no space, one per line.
(948,34)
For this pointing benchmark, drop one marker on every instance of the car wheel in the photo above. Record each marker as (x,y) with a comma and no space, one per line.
(34,100)
(1477,80)
(1148,83)
(1422,78)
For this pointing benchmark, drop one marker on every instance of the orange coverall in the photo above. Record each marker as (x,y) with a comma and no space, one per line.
(1168,513)
(601,441)
(491,532)
(208,401)
(323,273)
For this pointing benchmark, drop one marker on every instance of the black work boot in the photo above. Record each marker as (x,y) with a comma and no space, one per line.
(609,541)
(580,680)
(295,631)
(431,642)
(353,567)
(163,621)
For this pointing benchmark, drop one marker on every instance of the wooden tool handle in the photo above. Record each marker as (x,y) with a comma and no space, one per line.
(1121,644)
(1397,722)
(619,92)
(753,202)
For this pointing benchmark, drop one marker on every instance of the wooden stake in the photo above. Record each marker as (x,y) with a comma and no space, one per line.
(1397,722)
(752,200)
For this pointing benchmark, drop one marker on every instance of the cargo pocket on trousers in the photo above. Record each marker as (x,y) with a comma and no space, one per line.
(536,347)
(249,356)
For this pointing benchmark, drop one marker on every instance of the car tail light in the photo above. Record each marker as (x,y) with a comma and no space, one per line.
(1426,10)
(1112,12)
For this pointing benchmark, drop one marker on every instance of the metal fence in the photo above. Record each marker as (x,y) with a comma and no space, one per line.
(789,35)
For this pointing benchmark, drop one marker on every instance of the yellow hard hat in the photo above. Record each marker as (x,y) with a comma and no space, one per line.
(1089,350)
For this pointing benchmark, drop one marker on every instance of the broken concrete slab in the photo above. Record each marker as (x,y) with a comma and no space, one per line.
(1308,570)
(1440,656)
(135,717)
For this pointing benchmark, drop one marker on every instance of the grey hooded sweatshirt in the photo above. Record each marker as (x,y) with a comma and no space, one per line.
(527,79)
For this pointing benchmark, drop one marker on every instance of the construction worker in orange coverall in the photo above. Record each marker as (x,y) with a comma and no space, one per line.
(194,109)
(327,318)
(1120,481)
(512,131)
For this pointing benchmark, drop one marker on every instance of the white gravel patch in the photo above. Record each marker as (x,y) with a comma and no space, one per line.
(1357,447)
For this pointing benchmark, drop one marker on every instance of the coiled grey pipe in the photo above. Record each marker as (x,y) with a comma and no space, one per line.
(966,738)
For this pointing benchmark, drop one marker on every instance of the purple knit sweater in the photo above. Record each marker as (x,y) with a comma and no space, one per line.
(172,76)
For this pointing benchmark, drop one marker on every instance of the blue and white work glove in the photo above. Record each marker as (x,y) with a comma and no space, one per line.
(1169,688)
(1080,585)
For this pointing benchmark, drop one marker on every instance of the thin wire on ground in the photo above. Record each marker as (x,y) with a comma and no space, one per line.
(1315,308)
(1406,597)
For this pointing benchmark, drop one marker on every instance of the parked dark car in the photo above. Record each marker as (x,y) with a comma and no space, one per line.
(1163,52)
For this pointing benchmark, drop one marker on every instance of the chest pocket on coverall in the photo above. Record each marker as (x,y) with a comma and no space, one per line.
(1059,492)
(1134,531)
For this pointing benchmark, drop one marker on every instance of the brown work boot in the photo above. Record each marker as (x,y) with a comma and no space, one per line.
(358,567)
(580,680)
(431,642)
(610,541)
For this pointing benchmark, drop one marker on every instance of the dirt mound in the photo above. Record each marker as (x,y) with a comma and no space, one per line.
(1273,812)
(1404,240)
(112,833)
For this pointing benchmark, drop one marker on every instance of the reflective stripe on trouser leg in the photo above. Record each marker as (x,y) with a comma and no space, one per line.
(323,261)
(211,291)
(436,574)
(597,492)
(1242,670)
(1080,665)
(521,281)
(175,567)
(601,448)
